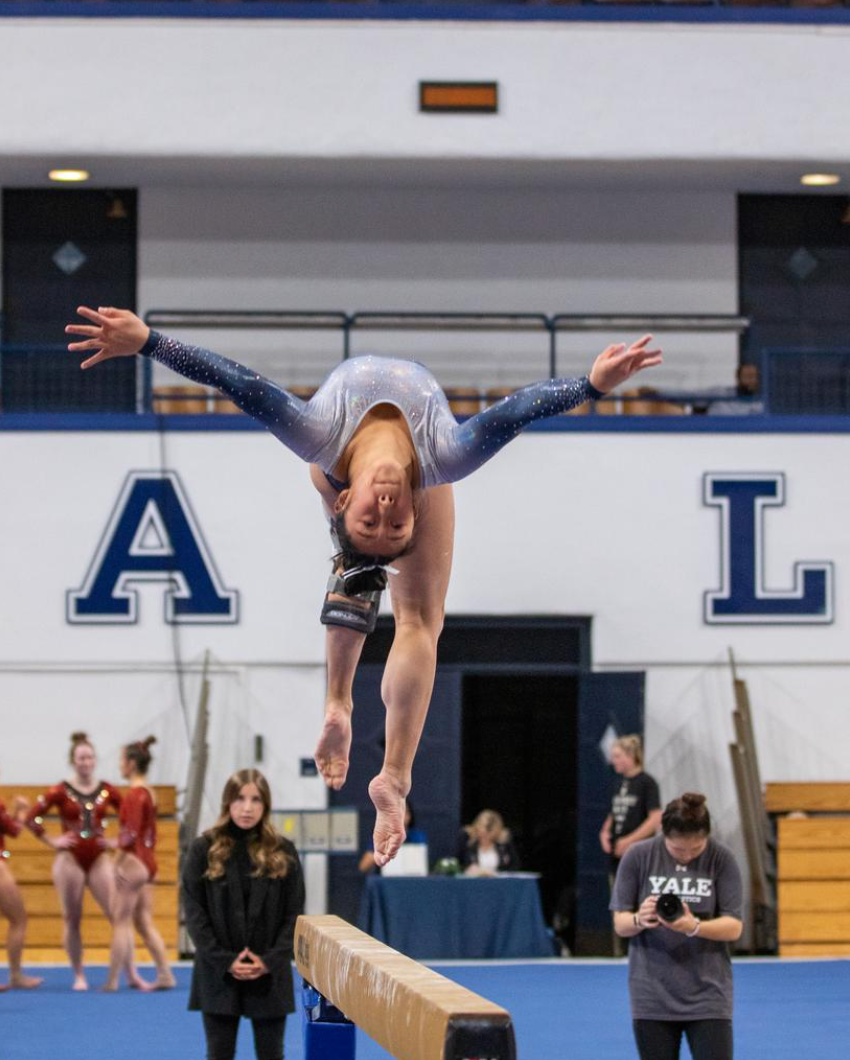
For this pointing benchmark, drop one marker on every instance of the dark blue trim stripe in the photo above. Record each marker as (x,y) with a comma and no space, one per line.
(438,11)
(117,421)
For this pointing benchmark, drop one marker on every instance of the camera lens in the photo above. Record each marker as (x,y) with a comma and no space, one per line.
(670,907)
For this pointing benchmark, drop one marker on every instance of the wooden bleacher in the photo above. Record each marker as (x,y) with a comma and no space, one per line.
(814,867)
(31,862)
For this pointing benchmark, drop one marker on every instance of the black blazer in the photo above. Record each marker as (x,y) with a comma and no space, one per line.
(217,924)
(468,854)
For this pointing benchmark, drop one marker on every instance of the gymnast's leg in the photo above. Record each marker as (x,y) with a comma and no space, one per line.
(70,881)
(343,647)
(418,597)
(12,908)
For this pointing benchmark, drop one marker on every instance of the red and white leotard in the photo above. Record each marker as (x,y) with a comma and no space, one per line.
(138,827)
(8,826)
(81,814)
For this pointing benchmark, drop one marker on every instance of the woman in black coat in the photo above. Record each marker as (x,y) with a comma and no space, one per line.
(242,892)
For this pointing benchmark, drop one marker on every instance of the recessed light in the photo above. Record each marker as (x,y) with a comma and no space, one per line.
(819,180)
(69,175)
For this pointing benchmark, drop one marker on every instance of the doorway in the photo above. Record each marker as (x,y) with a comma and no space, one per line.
(519,748)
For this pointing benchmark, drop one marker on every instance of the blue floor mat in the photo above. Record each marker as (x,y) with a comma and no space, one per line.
(562,1011)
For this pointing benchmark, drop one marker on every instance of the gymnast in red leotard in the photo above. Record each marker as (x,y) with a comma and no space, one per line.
(82,802)
(135,869)
(11,902)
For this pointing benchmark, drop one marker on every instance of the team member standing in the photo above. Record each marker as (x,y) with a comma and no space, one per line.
(679,898)
(242,892)
(383,448)
(80,862)
(635,805)
(11,902)
(135,869)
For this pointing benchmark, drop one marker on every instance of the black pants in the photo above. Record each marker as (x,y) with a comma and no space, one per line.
(221,1037)
(662,1039)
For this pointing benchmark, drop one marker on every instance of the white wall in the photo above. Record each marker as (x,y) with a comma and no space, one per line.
(607,525)
(282,88)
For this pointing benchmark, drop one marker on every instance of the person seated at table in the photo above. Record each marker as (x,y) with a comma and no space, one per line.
(486,846)
(414,835)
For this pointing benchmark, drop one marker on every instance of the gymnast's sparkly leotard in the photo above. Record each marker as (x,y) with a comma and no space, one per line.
(80,814)
(318,430)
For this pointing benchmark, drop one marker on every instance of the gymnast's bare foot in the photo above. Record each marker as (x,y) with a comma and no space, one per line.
(135,982)
(24,982)
(164,982)
(334,744)
(386,793)
(80,982)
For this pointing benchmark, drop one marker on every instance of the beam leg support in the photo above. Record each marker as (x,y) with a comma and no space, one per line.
(328,1035)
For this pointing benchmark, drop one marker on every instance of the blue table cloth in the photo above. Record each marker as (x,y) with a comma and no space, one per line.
(457,917)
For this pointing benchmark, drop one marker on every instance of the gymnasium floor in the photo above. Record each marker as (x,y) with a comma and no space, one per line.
(563,1010)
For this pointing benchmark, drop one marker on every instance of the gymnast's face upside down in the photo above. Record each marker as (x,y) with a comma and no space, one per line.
(378,509)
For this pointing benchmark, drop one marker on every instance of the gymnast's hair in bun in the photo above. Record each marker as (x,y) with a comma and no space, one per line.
(78,739)
(686,816)
(139,754)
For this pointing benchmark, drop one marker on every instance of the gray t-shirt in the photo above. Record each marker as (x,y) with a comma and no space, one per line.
(672,977)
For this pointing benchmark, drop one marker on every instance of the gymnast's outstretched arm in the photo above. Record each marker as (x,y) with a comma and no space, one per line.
(120,333)
(482,436)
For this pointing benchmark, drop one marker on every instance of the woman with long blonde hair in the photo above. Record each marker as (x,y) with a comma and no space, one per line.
(488,847)
(242,891)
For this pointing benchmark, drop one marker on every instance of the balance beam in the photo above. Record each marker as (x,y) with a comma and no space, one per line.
(412,1012)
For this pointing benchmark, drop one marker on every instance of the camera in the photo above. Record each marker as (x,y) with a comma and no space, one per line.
(670,907)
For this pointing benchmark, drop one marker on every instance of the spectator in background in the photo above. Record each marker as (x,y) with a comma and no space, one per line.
(743,399)
(487,847)
(367,862)
(636,804)
(679,897)
(242,892)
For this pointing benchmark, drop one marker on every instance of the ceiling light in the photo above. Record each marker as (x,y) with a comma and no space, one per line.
(69,174)
(819,180)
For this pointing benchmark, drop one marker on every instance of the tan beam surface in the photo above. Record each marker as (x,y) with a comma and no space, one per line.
(410,1010)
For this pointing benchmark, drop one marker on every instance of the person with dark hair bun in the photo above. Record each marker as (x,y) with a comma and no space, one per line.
(135,869)
(679,898)
(82,803)
(383,448)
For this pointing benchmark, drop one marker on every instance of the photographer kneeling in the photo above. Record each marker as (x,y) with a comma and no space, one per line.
(678,897)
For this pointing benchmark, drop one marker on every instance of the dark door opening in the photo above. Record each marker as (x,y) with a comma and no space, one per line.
(519,750)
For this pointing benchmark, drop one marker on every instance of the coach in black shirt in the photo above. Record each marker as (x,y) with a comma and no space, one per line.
(636,803)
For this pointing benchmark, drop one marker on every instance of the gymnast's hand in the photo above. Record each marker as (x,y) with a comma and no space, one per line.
(64,841)
(112,332)
(618,363)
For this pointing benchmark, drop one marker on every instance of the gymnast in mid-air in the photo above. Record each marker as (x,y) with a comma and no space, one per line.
(383,448)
